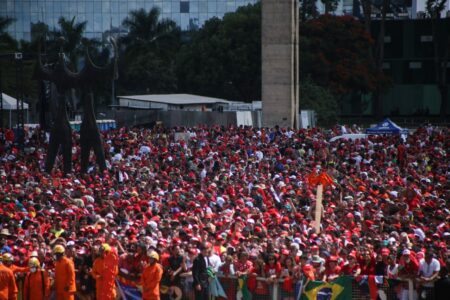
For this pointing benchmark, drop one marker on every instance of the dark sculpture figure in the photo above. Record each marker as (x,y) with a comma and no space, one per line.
(90,137)
(61,132)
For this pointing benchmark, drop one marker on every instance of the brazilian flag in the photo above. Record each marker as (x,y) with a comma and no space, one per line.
(338,289)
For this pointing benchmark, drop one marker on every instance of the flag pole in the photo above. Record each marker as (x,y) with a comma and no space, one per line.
(318,215)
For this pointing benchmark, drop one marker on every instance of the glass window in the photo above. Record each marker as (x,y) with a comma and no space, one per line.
(140,4)
(115,20)
(193,6)
(90,7)
(148,5)
(212,7)
(202,6)
(106,7)
(175,7)
(81,7)
(48,8)
(176,17)
(65,7)
(34,17)
(202,18)
(90,22)
(115,7)
(167,7)
(3,6)
(26,7)
(97,7)
(132,5)
(123,7)
(97,22)
(158,4)
(231,6)
(73,8)
(184,22)
(221,7)
(184,7)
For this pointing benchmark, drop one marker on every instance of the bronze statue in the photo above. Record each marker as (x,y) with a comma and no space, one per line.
(61,132)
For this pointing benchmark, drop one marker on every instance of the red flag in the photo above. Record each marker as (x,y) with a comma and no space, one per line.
(373,288)
(322,178)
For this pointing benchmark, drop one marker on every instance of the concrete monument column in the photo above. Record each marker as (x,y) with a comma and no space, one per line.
(280,85)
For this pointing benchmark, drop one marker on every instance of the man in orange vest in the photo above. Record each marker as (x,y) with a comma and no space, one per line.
(64,275)
(151,277)
(19,272)
(37,282)
(8,288)
(104,271)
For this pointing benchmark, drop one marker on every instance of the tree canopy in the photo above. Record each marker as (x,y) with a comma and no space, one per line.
(223,59)
(334,53)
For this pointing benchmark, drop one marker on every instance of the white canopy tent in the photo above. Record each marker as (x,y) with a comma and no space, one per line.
(10,103)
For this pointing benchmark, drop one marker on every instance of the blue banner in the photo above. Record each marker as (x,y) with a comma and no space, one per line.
(129,292)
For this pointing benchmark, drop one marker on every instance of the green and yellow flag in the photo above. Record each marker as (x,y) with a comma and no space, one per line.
(339,289)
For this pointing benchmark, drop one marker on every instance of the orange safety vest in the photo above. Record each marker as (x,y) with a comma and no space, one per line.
(151,276)
(104,271)
(65,279)
(8,288)
(36,286)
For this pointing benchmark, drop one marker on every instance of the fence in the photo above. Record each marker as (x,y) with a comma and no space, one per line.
(360,290)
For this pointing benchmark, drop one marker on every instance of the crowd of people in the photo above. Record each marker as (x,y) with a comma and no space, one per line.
(239,197)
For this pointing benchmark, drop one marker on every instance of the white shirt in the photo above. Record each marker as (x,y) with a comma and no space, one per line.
(215,262)
(427,270)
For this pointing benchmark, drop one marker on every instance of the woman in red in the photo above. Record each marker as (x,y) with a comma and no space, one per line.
(290,275)
(243,265)
(332,270)
(272,268)
(352,267)
(255,283)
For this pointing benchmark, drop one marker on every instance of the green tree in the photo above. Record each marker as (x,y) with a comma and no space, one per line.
(308,10)
(148,63)
(441,44)
(223,59)
(334,53)
(330,5)
(7,42)
(376,52)
(72,32)
(320,100)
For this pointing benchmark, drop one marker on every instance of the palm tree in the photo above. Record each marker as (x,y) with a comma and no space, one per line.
(149,54)
(145,29)
(7,42)
(72,32)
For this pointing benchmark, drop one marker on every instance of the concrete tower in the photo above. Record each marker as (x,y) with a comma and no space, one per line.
(280,85)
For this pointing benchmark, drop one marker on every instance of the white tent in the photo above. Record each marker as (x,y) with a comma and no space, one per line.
(10,103)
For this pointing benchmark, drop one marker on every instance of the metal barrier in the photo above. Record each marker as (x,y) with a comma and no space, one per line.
(360,290)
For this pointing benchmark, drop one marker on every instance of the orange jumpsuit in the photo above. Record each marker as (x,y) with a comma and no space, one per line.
(151,276)
(104,271)
(65,279)
(34,288)
(8,288)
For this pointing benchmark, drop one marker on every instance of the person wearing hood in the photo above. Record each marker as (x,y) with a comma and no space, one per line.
(64,275)
(104,271)
(37,283)
(8,288)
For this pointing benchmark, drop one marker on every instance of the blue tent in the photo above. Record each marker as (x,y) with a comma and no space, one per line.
(386,127)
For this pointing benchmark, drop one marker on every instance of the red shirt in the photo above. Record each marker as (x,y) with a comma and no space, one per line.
(273,269)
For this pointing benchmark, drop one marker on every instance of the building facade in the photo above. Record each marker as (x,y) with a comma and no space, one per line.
(107,15)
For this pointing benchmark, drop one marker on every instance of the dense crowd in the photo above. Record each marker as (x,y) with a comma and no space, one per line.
(241,196)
